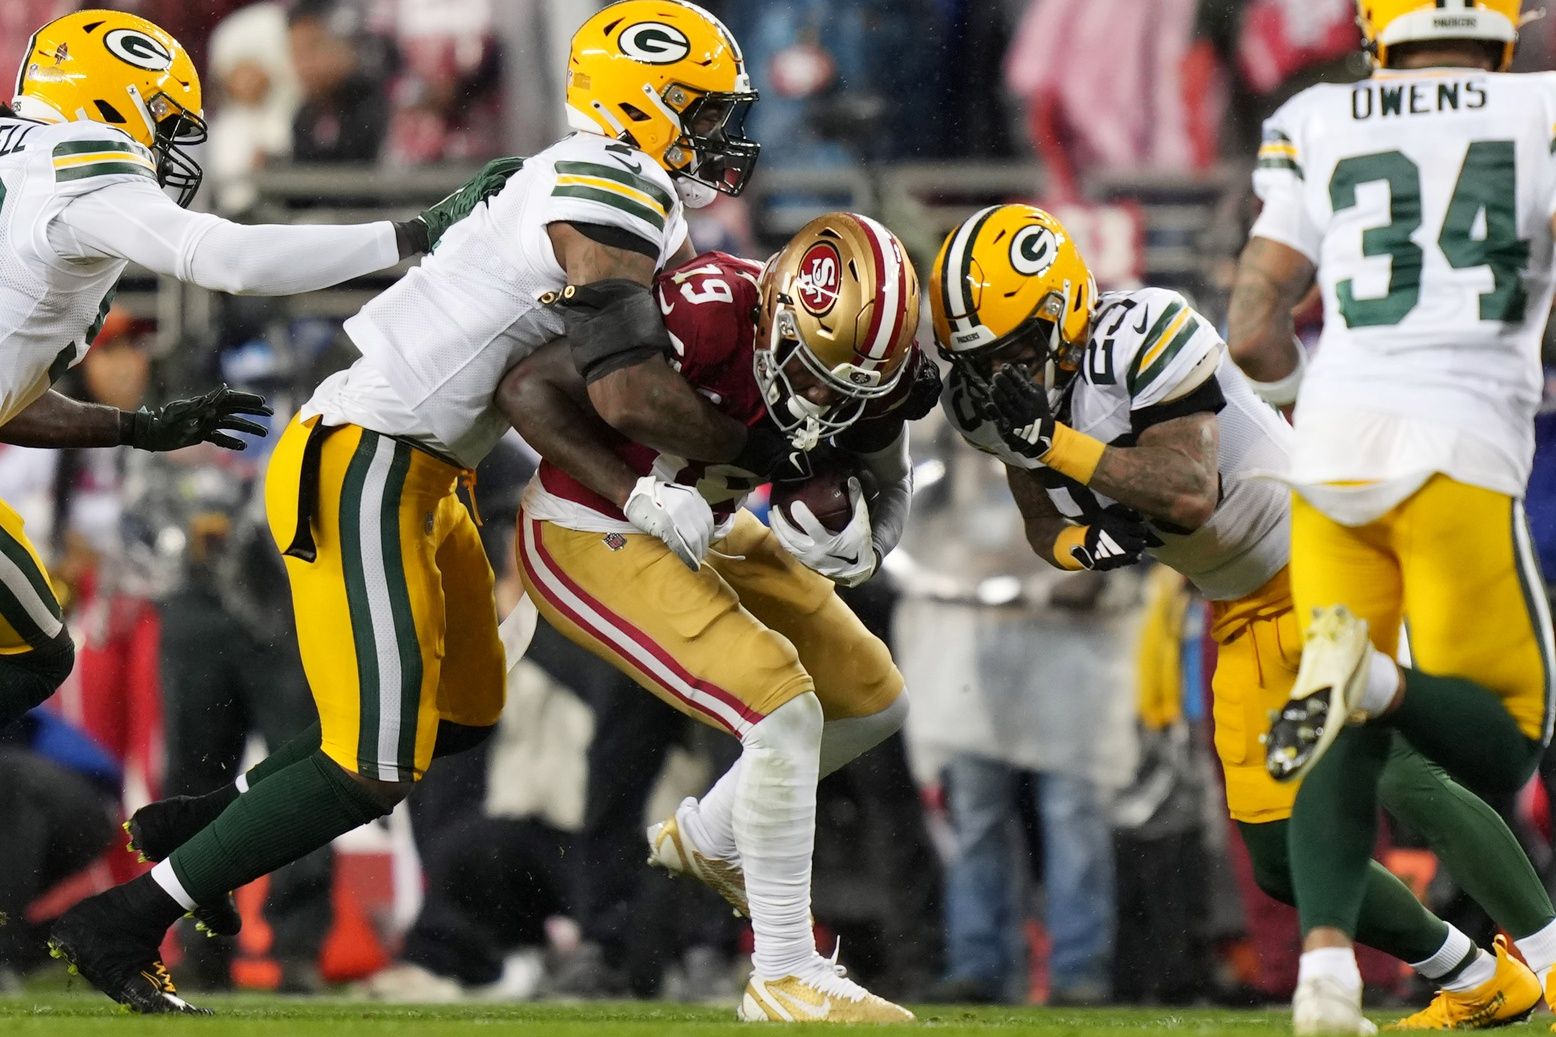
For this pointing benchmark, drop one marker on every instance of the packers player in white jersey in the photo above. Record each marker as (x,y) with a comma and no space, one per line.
(1125,429)
(393,594)
(105,107)
(1421,199)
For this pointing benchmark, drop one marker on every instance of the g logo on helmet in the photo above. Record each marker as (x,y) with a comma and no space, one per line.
(1033,250)
(654,43)
(138,49)
(820,278)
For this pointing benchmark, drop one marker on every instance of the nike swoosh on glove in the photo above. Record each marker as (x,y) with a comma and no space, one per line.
(847,557)
(677,515)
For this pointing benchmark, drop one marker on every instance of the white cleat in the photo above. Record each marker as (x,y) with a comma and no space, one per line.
(1326,696)
(824,995)
(1322,1005)
(671,848)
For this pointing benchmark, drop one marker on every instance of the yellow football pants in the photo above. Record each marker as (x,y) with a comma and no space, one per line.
(395,615)
(727,644)
(1258,647)
(29,608)
(1455,563)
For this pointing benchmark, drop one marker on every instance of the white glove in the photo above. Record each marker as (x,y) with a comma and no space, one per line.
(847,557)
(678,515)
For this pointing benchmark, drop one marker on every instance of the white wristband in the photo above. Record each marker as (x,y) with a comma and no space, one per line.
(1283,391)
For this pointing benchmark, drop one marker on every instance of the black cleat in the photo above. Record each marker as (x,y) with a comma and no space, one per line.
(159,828)
(218,919)
(103,944)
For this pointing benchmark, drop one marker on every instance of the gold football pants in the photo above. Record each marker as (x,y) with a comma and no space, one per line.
(1455,563)
(393,595)
(29,608)
(728,644)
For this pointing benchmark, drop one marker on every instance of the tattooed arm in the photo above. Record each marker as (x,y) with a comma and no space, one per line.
(1170,475)
(1271,279)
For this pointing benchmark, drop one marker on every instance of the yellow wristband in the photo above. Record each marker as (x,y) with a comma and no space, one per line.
(1074,454)
(1069,537)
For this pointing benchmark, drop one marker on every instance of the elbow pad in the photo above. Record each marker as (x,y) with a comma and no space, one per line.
(610,324)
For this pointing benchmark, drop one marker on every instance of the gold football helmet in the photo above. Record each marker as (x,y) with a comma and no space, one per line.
(1007,280)
(1387,22)
(666,76)
(122,71)
(839,311)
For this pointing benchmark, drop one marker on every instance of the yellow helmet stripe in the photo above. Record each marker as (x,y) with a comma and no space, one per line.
(959,310)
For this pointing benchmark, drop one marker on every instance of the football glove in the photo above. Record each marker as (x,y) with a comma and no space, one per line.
(426,229)
(1111,541)
(1019,409)
(204,419)
(847,558)
(677,515)
(924,393)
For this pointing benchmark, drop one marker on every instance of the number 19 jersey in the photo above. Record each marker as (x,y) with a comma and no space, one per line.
(1424,198)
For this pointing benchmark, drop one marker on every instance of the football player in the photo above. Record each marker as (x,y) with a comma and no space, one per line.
(747,635)
(1125,430)
(1421,199)
(105,110)
(393,594)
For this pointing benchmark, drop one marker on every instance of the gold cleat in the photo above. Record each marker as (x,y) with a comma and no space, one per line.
(670,848)
(1507,997)
(828,998)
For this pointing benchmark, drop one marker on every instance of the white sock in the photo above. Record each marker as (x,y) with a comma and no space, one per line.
(1475,973)
(1382,684)
(1456,947)
(1337,963)
(712,824)
(1539,950)
(241,783)
(775,832)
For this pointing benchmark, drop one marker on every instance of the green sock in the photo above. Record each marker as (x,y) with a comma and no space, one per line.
(1333,827)
(1390,918)
(295,811)
(1466,729)
(299,747)
(1470,838)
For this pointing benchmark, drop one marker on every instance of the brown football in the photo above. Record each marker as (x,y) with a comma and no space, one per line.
(825,491)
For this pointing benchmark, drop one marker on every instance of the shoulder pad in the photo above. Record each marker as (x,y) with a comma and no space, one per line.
(89,154)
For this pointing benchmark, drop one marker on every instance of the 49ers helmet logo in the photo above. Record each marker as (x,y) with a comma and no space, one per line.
(654,43)
(1033,250)
(820,277)
(138,49)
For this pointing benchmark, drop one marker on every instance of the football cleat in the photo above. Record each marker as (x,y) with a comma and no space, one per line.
(824,995)
(1323,1007)
(1327,694)
(1507,997)
(671,848)
(159,828)
(97,939)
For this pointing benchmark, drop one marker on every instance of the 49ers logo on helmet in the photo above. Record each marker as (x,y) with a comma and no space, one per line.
(820,277)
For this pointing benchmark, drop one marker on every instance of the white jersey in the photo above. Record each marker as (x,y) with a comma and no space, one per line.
(1424,198)
(80,199)
(1151,358)
(436,344)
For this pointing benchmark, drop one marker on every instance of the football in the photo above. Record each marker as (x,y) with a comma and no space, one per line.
(824,491)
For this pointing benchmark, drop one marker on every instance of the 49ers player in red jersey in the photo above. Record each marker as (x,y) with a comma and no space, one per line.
(752,638)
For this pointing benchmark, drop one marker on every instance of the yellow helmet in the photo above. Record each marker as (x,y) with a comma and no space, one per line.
(839,302)
(1007,278)
(122,71)
(666,76)
(1387,22)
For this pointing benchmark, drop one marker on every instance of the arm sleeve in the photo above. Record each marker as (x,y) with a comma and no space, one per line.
(893,472)
(1278,181)
(134,220)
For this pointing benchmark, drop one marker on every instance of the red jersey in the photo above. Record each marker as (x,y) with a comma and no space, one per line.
(709,304)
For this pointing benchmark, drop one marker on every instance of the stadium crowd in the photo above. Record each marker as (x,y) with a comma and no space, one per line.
(1048,827)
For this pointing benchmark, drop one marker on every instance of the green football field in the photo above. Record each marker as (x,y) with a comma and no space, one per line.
(63,1014)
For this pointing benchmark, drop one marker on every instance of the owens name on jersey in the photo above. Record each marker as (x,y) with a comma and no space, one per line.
(1151,358)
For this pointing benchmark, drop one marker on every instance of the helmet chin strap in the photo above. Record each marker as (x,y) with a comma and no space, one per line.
(694,194)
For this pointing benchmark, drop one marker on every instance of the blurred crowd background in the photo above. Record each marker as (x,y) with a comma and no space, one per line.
(1050,827)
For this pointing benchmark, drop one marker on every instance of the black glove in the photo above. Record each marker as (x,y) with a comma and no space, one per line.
(422,233)
(1018,407)
(770,456)
(1113,540)
(200,420)
(923,393)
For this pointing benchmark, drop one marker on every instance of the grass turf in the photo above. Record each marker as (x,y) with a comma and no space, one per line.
(68,1014)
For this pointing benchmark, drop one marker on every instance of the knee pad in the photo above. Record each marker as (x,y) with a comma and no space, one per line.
(456,738)
(368,800)
(844,740)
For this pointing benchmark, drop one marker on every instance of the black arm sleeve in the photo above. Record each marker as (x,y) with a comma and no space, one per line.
(611,324)
(1208,398)
(617,237)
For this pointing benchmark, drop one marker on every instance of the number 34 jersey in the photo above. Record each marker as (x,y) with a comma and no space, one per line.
(1424,198)
(1151,359)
